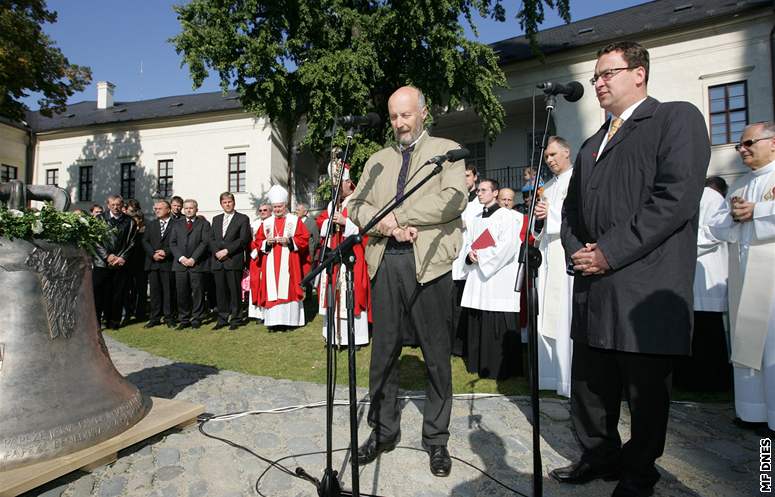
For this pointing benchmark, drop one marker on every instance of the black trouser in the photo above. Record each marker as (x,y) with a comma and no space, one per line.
(598,379)
(228,292)
(109,293)
(191,303)
(137,293)
(400,301)
(161,294)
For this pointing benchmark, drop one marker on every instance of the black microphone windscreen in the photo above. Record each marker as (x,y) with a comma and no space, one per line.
(576,91)
(457,154)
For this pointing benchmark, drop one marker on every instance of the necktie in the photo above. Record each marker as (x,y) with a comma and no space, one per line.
(615,125)
(163,227)
(226,221)
(406,155)
(189,224)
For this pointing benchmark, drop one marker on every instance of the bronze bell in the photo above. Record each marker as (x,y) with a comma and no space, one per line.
(59,389)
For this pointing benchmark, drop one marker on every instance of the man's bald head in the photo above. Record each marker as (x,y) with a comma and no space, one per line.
(506,198)
(406,107)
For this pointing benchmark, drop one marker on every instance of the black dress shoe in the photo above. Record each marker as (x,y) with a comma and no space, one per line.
(233,326)
(182,326)
(371,448)
(219,325)
(171,323)
(626,488)
(582,472)
(152,324)
(440,462)
(196,325)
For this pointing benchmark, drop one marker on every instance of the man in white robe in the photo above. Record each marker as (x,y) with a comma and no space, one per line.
(489,260)
(747,221)
(708,368)
(281,238)
(555,286)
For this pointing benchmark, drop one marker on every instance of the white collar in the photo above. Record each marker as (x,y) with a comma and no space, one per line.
(764,170)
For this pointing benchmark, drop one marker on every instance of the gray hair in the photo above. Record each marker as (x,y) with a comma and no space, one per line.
(559,140)
(191,200)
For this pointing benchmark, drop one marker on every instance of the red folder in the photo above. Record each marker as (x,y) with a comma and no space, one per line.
(485,240)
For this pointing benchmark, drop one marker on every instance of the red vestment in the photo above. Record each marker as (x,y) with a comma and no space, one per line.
(360,270)
(300,242)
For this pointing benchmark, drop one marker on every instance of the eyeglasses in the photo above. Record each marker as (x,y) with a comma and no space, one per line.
(749,143)
(263,210)
(607,74)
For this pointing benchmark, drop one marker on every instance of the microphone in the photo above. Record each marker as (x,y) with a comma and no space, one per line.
(370,120)
(453,155)
(572,91)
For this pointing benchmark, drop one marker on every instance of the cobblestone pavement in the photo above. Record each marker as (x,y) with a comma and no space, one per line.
(706,455)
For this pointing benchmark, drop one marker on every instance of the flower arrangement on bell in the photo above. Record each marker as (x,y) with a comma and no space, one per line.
(50,224)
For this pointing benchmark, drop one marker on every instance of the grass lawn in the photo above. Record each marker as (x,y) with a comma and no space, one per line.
(300,355)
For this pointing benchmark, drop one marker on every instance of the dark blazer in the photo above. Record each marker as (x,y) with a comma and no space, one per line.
(640,203)
(190,244)
(236,240)
(153,241)
(119,242)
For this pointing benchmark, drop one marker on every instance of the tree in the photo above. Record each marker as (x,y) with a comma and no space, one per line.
(316,59)
(31,62)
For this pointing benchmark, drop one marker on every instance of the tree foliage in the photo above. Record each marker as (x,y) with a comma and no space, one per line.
(31,62)
(316,59)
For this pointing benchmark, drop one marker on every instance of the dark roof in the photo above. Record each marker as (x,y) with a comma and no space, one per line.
(631,23)
(12,123)
(87,114)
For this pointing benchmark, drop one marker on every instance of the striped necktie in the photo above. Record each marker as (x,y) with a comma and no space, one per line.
(163,223)
(615,125)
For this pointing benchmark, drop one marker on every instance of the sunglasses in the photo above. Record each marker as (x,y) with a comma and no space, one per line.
(749,143)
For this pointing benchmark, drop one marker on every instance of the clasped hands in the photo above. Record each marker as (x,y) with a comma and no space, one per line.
(590,260)
(115,261)
(388,227)
(742,211)
(278,240)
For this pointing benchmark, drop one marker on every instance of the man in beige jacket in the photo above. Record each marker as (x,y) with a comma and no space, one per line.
(410,254)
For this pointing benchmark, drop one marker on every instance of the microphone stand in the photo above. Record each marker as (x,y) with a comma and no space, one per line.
(529,262)
(329,485)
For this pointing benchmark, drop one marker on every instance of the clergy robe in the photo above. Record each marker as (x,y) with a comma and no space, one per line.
(708,368)
(254,310)
(555,290)
(751,293)
(361,283)
(280,293)
(492,348)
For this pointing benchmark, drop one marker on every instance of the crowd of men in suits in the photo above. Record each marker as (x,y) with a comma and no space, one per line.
(192,267)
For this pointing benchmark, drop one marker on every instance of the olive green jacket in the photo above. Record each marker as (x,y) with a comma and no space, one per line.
(434,209)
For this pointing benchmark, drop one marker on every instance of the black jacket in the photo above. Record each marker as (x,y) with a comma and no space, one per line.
(190,244)
(153,241)
(640,203)
(236,240)
(119,242)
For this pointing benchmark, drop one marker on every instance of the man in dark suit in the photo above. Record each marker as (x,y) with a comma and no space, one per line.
(229,238)
(630,231)
(110,275)
(189,242)
(158,264)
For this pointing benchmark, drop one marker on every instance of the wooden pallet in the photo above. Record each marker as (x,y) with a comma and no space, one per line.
(164,414)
